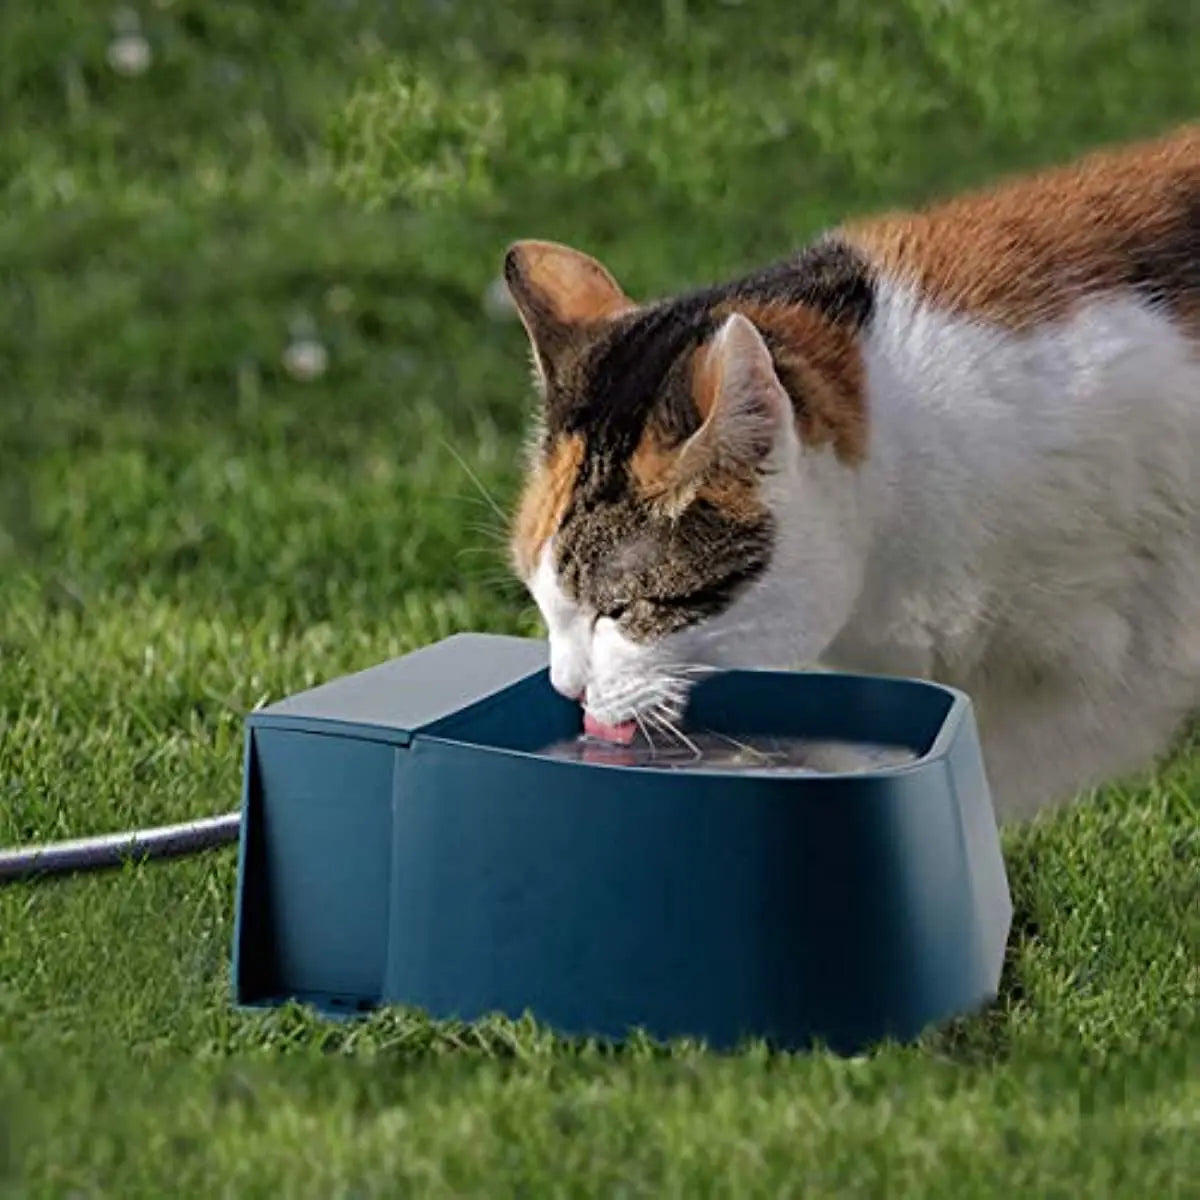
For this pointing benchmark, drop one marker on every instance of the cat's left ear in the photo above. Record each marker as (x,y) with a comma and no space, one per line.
(745,409)
(559,291)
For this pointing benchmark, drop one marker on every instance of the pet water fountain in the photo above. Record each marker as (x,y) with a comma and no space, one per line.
(406,839)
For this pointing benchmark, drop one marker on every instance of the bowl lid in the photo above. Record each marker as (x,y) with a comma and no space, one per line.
(397,699)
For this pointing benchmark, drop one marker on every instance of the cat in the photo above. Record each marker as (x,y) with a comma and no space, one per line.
(961,444)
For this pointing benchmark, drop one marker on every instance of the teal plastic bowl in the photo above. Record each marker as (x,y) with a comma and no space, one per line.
(403,842)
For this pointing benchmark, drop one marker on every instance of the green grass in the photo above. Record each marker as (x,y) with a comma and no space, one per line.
(187,530)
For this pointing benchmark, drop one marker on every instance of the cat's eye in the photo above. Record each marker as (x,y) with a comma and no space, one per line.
(615,611)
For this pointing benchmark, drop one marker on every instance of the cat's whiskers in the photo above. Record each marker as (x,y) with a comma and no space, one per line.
(641,724)
(675,690)
(670,694)
(500,583)
(671,727)
(645,689)
(491,556)
(744,747)
(494,533)
(639,695)
(654,720)
(625,695)
(463,498)
(474,478)
(685,669)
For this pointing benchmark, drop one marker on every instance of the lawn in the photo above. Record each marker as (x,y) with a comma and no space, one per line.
(191,523)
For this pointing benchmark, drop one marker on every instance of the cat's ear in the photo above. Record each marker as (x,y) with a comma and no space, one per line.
(743,406)
(557,291)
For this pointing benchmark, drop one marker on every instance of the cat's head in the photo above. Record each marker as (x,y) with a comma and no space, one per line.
(683,507)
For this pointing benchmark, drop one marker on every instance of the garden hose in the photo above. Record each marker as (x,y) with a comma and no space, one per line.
(116,849)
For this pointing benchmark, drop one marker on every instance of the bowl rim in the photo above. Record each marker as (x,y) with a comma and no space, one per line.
(960,704)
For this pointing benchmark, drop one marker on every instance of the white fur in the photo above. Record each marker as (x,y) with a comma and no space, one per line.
(591,655)
(1026,527)
(568,626)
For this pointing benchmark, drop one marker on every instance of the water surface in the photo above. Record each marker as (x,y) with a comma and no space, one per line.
(709,751)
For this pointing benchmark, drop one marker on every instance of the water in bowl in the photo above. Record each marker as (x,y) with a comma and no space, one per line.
(706,750)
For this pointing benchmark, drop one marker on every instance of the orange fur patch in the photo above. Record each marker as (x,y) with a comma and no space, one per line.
(737,497)
(652,465)
(545,497)
(1027,249)
(655,475)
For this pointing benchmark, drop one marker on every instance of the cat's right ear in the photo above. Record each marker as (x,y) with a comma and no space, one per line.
(559,291)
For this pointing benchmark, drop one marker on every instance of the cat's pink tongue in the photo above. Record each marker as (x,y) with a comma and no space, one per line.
(622,734)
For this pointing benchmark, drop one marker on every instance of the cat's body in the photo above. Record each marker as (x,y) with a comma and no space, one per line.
(963,444)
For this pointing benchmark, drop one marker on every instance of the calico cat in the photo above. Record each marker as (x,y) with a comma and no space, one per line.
(961,443)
